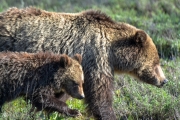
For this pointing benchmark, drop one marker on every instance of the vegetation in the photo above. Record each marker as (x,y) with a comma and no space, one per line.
(132,100)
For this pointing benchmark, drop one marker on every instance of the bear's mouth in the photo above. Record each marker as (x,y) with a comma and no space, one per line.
(163,83)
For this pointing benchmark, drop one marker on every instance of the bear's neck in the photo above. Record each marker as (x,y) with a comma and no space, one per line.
(125,56)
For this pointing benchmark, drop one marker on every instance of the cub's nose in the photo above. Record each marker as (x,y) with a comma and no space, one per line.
(164,82)
(82,96)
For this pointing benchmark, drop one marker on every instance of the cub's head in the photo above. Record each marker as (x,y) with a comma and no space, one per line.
(73,77)
(138,56)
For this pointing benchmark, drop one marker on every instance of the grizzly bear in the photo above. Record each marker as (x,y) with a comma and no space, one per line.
(106,47)
(38,77)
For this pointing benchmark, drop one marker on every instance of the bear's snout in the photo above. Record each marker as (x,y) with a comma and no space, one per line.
(82,96)
(164,82)
(79,96)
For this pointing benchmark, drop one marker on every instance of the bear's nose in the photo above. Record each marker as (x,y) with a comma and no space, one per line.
(164,82)
(82,96)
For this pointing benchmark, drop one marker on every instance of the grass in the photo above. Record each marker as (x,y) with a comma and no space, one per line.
(132,100)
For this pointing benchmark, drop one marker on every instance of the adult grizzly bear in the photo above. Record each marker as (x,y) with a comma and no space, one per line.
(106,47)
(38,76)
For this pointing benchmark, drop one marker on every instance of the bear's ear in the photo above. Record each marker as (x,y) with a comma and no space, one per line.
(65,61)
(78,57)
(140,37)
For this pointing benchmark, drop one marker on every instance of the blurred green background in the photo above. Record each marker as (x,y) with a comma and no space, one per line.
(132,100)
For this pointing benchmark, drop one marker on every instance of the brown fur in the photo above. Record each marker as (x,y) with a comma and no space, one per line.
(106,46)
(38,77)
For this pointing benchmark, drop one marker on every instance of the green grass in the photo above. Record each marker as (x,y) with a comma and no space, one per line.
(132,100)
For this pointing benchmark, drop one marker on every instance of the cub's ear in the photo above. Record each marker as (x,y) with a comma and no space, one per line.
(140,37)
(78,57)
(65,61)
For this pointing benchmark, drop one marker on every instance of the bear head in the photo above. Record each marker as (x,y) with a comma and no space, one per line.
(73,77)
(137,55)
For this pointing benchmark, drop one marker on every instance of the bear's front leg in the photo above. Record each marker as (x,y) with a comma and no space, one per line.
(98,89)
(51,104)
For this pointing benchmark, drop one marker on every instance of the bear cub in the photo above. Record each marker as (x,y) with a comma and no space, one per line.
(38,77)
